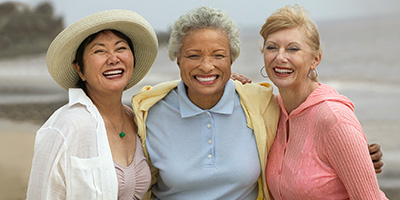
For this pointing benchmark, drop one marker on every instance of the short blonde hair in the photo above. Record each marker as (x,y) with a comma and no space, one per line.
(292,17)
(202,18)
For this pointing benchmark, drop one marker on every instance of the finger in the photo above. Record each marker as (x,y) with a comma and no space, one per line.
(377,156)
(378,166)
(234,76)
(374,148)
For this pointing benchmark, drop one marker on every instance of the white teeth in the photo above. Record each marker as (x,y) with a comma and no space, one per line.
(113,73)
(205,79)
(283,71)
(112,76)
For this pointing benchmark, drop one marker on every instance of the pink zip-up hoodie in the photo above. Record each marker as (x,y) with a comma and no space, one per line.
(325,153)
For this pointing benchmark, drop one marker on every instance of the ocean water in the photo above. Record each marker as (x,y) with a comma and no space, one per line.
(360,60)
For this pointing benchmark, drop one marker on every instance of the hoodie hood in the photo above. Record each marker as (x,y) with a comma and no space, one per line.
(322,94)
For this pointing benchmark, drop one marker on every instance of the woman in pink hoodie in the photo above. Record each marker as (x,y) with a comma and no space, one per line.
(320,151)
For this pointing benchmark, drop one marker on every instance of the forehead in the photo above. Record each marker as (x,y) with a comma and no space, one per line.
(106,36)
(296,34)
(206,37)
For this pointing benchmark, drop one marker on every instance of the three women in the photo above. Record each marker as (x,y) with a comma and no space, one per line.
(221,131)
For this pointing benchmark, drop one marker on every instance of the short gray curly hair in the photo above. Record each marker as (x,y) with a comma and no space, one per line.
(201,18)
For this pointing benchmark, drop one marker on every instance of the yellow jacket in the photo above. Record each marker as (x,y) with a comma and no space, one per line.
(257,100)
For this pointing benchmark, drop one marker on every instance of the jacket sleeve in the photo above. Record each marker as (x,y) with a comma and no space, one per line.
(47,180)
(347,152)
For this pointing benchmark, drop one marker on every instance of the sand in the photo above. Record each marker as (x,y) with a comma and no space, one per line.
(16,151)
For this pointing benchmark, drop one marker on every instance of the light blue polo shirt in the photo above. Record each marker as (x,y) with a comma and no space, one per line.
(202,154)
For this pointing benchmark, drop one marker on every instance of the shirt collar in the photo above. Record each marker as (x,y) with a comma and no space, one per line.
(78,96)
(224,106)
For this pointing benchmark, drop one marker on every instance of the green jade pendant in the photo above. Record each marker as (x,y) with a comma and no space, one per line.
(122,134)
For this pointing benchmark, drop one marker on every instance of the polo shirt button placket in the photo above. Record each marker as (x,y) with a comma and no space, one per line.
(209,141)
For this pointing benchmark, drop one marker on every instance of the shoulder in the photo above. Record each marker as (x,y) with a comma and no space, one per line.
(254,88)
(333,116)
(333,110)
(68,120)
(159,88)
(260,95)
(149,95)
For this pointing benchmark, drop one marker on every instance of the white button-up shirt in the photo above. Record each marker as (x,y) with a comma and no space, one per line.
(72,157)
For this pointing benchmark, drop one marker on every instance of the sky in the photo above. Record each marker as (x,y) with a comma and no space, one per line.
(246,13)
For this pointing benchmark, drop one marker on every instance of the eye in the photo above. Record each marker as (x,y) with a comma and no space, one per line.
(122,47)
(193,56)
(219,56)
(271,47)
(99,51)
(294,48)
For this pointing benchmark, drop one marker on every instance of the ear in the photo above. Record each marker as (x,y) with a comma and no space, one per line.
(178,61)
(78,70)
(317,60)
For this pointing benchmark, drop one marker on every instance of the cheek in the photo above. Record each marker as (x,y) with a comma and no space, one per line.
(92,62)
(128,58)
(267,58)
(228,70)
(184,67)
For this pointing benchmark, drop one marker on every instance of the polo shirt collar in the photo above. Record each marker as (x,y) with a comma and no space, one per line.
(224,106)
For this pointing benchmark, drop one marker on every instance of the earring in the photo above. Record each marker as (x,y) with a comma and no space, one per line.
(313,74)
(261,72)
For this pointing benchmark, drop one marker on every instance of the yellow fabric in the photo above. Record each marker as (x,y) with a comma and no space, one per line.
(257,100)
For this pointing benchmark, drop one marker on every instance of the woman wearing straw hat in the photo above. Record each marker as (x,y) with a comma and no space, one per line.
(89,148)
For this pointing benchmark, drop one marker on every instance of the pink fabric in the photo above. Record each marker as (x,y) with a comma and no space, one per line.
(325,155)
(133,180)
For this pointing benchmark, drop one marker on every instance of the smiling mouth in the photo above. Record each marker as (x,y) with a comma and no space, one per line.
(206,78)
(113,73)
(283,71)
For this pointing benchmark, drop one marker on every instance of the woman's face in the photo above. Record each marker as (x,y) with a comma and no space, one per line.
(108,63)
(205,63)
(288,58)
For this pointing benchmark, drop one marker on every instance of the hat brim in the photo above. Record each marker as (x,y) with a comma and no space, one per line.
(62,50)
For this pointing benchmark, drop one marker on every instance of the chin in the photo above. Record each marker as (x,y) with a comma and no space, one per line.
(281,84)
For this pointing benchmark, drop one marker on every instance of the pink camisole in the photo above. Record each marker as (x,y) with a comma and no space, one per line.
(133,180)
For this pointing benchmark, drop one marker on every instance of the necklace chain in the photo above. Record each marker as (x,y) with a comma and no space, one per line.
(121,134)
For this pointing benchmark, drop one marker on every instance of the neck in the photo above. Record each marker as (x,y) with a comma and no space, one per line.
(204,102)
(109,104)
(293,97)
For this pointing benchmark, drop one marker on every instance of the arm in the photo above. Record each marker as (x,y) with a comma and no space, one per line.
(347,153)
(47,180)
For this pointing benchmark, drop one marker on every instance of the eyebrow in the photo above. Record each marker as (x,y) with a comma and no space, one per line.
(198,50)
(290,43)
(101,44)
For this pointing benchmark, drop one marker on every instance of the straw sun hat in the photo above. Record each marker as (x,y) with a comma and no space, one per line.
(62,50)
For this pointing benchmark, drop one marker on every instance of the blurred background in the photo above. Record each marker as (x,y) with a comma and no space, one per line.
(360,43)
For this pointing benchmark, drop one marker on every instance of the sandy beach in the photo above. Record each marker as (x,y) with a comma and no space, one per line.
(359,60)
(16,151)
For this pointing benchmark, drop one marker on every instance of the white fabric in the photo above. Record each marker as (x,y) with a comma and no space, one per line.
(72,157)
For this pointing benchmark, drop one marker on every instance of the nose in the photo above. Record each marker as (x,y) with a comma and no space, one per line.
(281,57)
(112,59)
(206,64)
